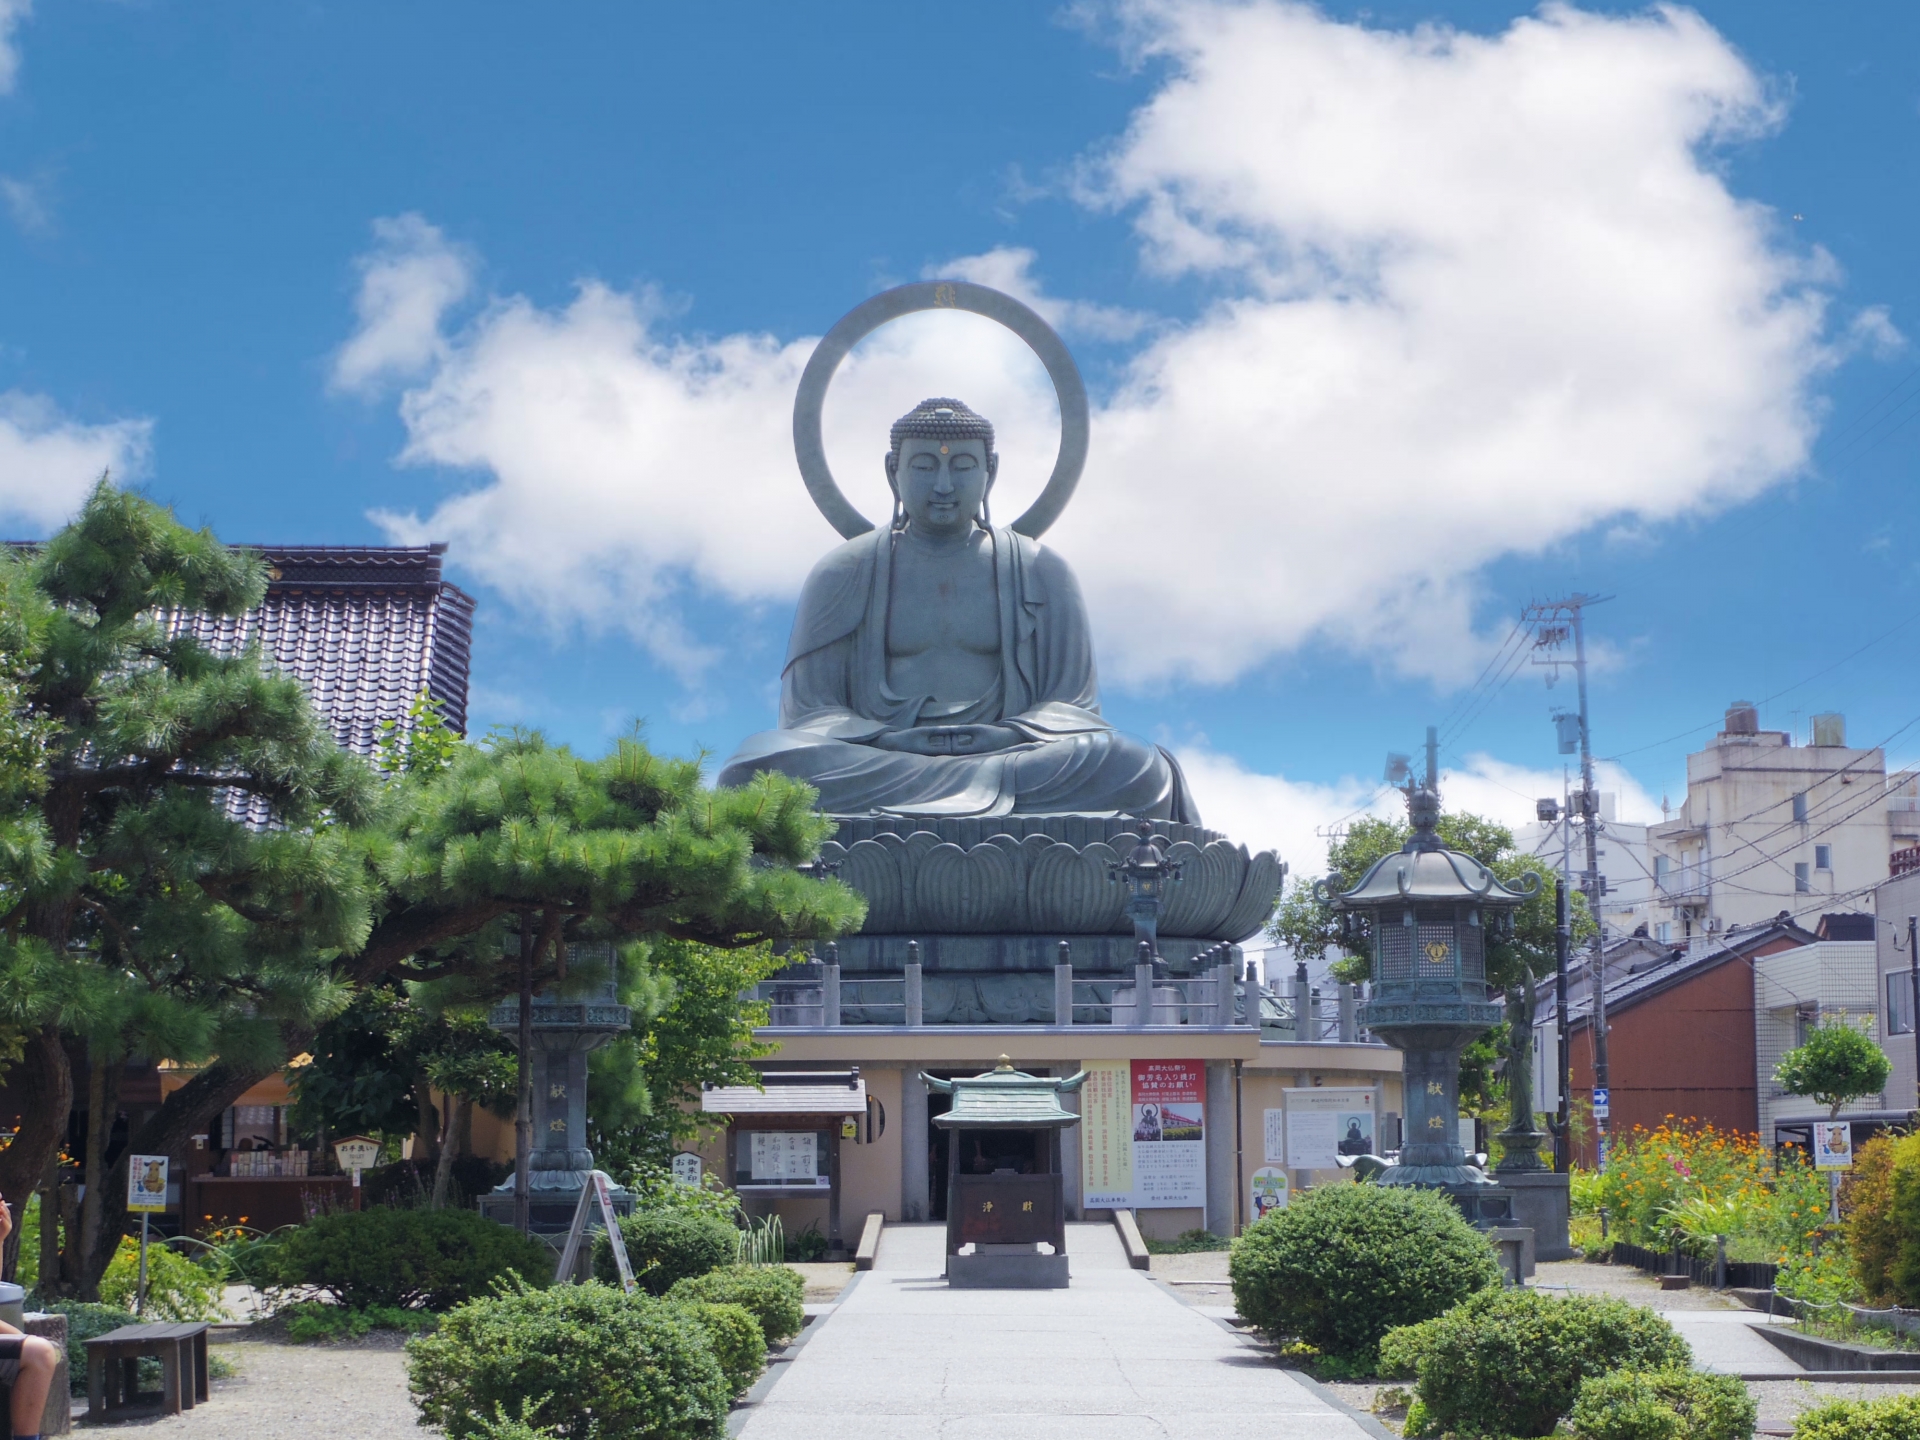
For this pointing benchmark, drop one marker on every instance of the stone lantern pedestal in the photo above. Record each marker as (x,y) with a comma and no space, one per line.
(566,1028)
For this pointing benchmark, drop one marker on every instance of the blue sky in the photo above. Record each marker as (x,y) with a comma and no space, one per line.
(1395,316)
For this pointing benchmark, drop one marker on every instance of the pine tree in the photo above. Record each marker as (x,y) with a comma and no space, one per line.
(148,920)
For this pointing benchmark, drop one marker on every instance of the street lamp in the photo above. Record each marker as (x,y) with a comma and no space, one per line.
(1426,914)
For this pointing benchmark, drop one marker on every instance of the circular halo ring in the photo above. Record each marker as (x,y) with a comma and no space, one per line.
(865,318)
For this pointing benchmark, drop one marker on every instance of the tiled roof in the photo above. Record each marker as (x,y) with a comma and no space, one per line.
(364,628)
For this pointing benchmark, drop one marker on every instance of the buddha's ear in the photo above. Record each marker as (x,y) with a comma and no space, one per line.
(993,468)
(892,462)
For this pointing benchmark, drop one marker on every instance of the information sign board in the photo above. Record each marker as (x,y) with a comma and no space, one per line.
(1143,1135)
(1324,1124)
(356,1153)
(1833,1144)
(146,1182)
(686,1170)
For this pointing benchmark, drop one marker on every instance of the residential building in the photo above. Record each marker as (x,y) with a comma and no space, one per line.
(1893,903)
(1626,865)
(1681,1032)
(1795,989)
(1770,825)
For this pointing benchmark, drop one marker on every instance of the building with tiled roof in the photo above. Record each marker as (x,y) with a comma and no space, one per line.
(364,628)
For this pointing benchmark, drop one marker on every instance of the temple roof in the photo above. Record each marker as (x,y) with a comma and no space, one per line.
(1005,1099)
(364,628)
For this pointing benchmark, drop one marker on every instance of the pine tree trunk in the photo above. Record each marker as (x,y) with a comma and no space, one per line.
(50,1225)
(42,1083)
(523,1111)
(93,1176)
(443,1169)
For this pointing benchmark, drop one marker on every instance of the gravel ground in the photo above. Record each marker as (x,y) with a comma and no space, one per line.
(294,1392)
(825,1280)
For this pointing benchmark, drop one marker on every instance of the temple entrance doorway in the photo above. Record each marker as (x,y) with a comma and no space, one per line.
(936,1143)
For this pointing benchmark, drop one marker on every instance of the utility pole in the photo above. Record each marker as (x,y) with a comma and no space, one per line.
(1555,622)
(1913,1013)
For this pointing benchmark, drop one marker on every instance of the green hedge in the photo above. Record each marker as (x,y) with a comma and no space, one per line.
(429,1259)
(87,1322)
(1664,1405)
(1346,1263)
(584,1362)
(667,1246)
(772,1294)
(1895,1418)
(1511,1362)
(738,1342)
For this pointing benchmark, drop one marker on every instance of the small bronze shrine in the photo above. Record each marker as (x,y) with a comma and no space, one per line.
(1005,1195)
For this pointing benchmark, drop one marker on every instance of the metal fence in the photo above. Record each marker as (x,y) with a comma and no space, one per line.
(1741,1274)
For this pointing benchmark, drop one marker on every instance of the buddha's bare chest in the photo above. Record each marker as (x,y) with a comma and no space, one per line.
(944,603)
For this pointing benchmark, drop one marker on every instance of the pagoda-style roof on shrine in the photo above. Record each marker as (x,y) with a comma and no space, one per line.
(1006,1099)
(1430,876)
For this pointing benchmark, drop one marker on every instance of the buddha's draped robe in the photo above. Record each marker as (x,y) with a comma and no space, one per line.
(835,698)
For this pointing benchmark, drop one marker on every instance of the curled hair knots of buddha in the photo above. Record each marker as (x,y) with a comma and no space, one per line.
(945,419)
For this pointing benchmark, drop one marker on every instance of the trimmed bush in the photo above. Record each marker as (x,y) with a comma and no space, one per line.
(1895,1418)
(1346,1263)
(772,1294)
(1874,1239)
(738,1342)
(582,1362)
(1664,1405)
(409,1259)
(667,1246)
(1511,1362)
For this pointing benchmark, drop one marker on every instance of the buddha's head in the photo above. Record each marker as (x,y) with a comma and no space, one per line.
(941,466)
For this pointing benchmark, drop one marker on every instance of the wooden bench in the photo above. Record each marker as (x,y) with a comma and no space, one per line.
(113,1363)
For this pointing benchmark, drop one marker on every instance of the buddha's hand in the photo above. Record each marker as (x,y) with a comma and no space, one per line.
(950,739)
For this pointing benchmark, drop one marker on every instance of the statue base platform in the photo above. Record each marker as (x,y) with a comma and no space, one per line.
(1542,1201)
(554,1196)
(1007,1267)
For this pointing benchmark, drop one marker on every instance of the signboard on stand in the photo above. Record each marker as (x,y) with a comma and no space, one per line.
(686,1170)
(1833,1144)
(1269,1191)
(146,1183)
(1143,1134)
(356,1153)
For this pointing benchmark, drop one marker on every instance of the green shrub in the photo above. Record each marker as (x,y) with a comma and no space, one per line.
(1511,1362)
(585,1361)
(772,1294)
(1895,1418)
(738,1342)
(1346,1263)
(666,1246)
(433,1259)
(177,1288)
(311,1320)
(1866,1203)
(1664,1405)
(1189,1242)
(808,1245)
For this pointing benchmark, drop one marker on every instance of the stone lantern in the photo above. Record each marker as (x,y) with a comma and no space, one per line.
(1146,873)
(568,1024)
(1426,915)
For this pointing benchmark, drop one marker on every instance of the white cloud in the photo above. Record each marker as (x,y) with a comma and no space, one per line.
(1273,812)
(1474,295)
(26,206)
(49,463)
(408,282)
(12,12)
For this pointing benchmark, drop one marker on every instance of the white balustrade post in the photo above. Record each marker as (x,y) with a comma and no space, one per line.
(830,997)
(1142,995)
(912,984)
(1349,1014)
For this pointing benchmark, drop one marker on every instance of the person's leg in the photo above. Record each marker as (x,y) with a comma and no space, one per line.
(38,1359)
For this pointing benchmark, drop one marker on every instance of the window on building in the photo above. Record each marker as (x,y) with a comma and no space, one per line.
(1899,1002)
(1806,1020)
(1823,857)
(1660,870)
(1800,806)
(1663,932)
(1802,877)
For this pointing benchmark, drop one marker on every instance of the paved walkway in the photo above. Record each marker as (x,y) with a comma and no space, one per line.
(1112,1357)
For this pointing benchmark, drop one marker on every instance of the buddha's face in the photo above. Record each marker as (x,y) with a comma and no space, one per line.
(941,483)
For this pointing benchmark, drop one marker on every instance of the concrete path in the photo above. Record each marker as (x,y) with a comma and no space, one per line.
(1112,1357)
(1725,1342)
